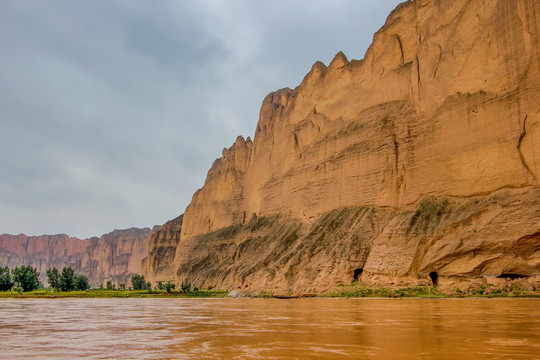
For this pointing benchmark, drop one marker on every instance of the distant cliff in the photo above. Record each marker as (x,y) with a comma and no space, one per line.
(115,256)
(162,244)
(42,252)
(422,158)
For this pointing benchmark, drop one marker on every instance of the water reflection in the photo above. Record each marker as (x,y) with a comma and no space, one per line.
(270,328)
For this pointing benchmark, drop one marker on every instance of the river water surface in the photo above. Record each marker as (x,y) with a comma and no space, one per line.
(269,329)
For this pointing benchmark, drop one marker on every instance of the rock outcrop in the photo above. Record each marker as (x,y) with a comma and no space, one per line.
(42,252)
(115,256)
(162,243)
(422,158)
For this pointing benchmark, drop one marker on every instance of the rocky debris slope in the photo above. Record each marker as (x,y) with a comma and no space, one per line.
(419,163)
(115,256)
(447,240)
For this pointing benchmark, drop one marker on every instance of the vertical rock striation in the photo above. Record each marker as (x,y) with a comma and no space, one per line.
(435,134)
(115,256)
(158,265)
(42,252)
(444,102)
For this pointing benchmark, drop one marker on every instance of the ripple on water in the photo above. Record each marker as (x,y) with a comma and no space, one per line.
(269,328)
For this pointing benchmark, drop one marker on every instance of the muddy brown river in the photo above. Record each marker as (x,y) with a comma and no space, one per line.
(270,329)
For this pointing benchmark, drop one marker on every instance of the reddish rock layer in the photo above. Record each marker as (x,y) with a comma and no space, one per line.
(115,256)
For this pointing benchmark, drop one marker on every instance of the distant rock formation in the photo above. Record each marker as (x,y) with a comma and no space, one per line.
(115,256)
(42,252)
(422,158)
(162,243)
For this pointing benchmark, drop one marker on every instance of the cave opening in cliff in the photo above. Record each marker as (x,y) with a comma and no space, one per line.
(357,273)
(434,277)
(512,276)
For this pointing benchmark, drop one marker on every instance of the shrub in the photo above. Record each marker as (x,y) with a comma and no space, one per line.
(186,286)
(110,285)
(169,286)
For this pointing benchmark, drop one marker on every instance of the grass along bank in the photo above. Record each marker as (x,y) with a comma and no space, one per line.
(488,291)
(354,290)
(104,293)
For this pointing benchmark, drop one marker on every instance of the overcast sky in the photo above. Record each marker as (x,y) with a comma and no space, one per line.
(112,112)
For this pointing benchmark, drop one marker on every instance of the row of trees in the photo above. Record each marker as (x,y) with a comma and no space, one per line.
(26,278)
(139,283)
(67,280)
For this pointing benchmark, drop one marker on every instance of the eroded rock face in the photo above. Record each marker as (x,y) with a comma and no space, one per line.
(158,265)
(426,154)
(115,256)
(459,239)
(445,102)
(42,252)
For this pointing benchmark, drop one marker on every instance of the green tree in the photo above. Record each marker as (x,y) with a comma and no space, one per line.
(138,282)
(5,279)
(148,285)
(122,286)
(160,285)
(26,277)
(110,285)
(67,279)
(169,286)
(81,282)
(186,286)
(53,277)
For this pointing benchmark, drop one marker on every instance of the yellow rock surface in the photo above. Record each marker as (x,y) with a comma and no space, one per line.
(444,107)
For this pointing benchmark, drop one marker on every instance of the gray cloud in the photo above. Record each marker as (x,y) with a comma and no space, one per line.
(111,112)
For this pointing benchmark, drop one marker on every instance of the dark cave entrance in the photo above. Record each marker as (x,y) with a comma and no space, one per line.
(357,273)
(512,276)
(434,277)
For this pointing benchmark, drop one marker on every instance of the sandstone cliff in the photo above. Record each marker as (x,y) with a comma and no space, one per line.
(162,244)
(42,252)
(424,157)
(115,256)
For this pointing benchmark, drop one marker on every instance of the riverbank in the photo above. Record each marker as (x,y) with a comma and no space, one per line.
(509,288)
(102,293)
(354,290)
(486,291)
